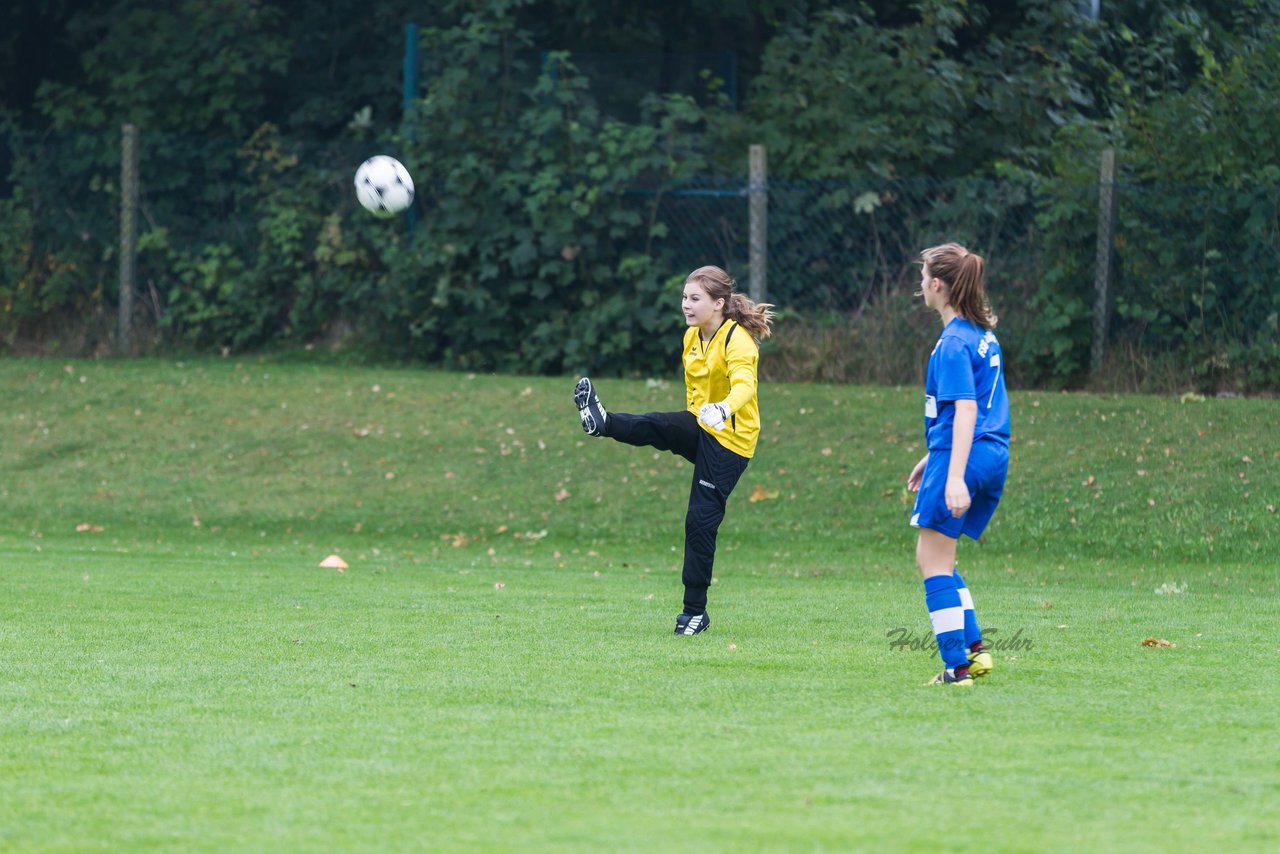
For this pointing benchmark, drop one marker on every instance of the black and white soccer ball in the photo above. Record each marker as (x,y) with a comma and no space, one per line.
(383,186)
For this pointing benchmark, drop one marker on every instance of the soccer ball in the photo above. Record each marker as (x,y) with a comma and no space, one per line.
(383,186)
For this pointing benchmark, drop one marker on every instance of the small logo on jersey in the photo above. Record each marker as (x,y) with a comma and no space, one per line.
(930,406)
(707,485)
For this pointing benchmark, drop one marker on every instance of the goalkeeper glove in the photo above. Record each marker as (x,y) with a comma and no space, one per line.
(714,415)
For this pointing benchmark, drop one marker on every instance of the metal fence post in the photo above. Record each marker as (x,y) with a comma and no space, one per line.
(128,235)
(1102,261)
(758,194)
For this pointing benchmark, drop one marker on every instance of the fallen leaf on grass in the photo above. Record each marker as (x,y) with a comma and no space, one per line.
(762,494)
(85,527)
(1158,642)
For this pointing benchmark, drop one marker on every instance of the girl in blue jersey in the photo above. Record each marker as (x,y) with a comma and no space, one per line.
(966,424)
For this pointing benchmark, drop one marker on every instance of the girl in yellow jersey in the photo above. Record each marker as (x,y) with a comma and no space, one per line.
(718,428)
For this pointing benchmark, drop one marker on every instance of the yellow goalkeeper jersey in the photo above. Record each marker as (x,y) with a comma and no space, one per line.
(724,369)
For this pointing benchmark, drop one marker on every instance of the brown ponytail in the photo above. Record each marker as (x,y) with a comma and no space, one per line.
(965,274)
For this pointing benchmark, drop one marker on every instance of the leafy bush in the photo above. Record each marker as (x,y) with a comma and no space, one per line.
(51,250)
(281,271)
(544,237)
(1199,227)
(530,255)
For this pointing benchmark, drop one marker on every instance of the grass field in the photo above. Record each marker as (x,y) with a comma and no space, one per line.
(495,669)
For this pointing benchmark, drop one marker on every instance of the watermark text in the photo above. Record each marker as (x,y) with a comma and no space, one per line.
(906,640)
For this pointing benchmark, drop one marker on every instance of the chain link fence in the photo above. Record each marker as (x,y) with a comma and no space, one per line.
(1187,273)
(1194,294)
(838,246)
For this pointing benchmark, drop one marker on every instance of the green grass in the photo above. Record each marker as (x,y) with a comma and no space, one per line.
(495,672)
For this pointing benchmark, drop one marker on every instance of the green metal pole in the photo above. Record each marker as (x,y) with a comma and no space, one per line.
(411,80)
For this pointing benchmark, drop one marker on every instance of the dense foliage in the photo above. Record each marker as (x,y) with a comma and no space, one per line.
(548,237)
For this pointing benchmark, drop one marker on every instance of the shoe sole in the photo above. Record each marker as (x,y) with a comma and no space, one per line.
(582,394)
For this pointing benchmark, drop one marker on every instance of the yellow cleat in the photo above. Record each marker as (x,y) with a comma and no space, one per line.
(980,662)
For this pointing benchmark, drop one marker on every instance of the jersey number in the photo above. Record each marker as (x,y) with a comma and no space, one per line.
(995,383)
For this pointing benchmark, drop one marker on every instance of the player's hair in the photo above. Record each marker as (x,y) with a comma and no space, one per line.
(755,317)
(965,274)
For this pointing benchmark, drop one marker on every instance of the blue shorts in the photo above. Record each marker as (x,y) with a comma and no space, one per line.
(984,475)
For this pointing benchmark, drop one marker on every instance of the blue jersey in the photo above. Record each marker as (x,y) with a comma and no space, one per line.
(965,365)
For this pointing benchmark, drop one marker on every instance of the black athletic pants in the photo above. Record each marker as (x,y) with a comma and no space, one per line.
(715,473)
